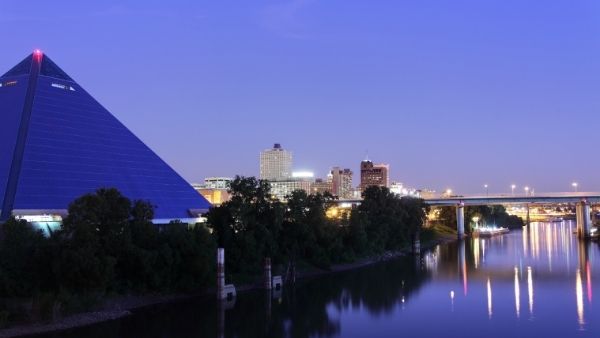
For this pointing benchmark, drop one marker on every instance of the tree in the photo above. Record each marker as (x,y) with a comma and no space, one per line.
(416,211)
(307,233)
(385,221)
(493,214)
(23,260)
(247,225)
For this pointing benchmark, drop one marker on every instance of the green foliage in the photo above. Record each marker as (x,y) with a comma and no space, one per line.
(307,233)
(494,214)
(385,221)
(187,257)
(107,244)
(23,262)
(4,316)
(248,225)
(252,226)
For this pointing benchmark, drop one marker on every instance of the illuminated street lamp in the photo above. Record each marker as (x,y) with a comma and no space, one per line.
(574,185)
(512,187)
(486,189)
(526,191)
(448,192)
(476,221)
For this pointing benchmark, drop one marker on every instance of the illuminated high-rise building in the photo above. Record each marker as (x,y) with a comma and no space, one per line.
(374,174)
(341,182)
(276,164)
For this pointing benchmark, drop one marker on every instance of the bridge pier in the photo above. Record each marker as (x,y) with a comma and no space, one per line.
(584,219)
(460,220)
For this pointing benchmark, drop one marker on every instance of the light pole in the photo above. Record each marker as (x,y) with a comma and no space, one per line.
(526,191)
(486,190)
(476,221)
(512,189)
(574,185)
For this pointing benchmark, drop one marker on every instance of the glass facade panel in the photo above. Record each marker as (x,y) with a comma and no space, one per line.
(12,100)
(20,69)
(75,146)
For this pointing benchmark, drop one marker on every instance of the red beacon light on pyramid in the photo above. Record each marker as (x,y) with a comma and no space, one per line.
(37,54)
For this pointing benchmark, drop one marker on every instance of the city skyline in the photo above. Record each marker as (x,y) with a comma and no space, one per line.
(452,97)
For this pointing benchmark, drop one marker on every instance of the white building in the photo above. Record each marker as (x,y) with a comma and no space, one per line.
(214,189)
(400,190)
(217,182)
(276,164)
(283,189)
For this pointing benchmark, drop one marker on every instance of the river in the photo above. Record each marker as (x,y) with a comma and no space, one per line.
(538,282)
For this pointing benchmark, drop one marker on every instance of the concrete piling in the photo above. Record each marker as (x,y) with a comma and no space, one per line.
(224,292)
(220,272)
(460,220)
(267,274)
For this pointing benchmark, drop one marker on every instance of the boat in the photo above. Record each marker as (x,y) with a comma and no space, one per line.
(489,231)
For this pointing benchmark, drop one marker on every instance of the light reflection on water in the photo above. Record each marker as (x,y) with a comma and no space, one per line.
(546,251)
(517,293)
(529,283)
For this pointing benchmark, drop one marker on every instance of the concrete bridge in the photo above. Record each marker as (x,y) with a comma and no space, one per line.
(582,200)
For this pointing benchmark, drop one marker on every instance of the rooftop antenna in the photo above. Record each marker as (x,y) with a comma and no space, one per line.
(367,156)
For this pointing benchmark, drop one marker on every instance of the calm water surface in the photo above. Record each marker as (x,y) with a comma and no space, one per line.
(538,282)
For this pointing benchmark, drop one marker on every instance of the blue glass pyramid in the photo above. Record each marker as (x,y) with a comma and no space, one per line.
(58,143)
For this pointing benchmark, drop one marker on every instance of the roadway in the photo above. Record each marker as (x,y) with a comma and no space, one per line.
(542,198)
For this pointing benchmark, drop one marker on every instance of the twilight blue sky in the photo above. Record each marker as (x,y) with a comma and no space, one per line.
(451,93)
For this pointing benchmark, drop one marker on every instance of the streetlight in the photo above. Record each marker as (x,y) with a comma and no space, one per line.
(476,221)
(526,191)
(512,187)
(448,192)
(574,185)
(486,190)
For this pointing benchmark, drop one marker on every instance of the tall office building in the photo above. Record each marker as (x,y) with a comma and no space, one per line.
(276,164)
(58,143)
(341,182)
(374,174)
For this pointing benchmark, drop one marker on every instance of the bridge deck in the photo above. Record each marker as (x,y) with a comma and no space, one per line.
(543,198)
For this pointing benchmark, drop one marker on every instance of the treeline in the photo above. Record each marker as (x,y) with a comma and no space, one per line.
(252,225)
(108,245)
(490,215)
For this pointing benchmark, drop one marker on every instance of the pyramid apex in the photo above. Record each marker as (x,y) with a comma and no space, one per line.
(45,120)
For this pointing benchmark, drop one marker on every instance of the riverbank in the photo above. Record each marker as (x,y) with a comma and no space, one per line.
(122,306)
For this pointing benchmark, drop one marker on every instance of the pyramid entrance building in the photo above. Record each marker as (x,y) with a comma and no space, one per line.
(58,143)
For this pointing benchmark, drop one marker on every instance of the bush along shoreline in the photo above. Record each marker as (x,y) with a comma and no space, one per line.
(108,248)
